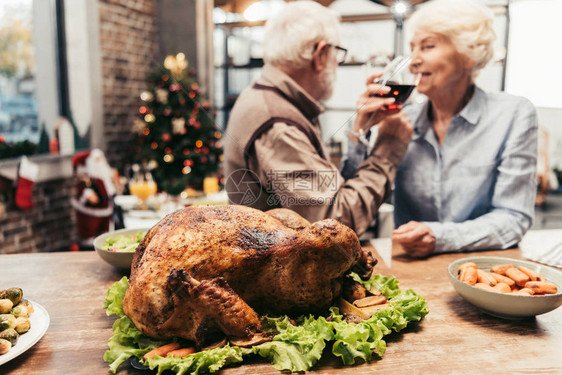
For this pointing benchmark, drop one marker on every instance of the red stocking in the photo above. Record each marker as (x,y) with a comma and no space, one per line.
(28,172)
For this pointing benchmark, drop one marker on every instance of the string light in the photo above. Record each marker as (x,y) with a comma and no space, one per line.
(400,8)
(149,118)
(186,170)
(168,158)
(218,134)
(146,96)
(199,144)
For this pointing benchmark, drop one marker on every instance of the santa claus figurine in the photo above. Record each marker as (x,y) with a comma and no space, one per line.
(93,197)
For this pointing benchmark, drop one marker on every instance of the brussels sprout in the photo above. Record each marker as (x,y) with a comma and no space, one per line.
(22,325)
(20,310)
(5,305)
(10,334)
(27,304)
(13,294)
(7,321)
(5,346)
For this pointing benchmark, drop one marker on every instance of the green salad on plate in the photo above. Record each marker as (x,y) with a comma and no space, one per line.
(124,243)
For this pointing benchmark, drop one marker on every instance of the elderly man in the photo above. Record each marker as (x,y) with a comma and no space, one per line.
(274,154)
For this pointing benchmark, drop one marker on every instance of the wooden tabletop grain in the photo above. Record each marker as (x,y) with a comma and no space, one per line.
(454,338)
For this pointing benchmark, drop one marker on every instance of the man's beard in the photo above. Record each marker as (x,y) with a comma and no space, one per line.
(327,80)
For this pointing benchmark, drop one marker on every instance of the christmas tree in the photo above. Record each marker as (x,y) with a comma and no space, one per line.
(176,132)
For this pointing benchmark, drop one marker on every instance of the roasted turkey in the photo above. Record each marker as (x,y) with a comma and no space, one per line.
(203,273)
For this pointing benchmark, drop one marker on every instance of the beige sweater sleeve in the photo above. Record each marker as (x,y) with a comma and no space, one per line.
(289,167)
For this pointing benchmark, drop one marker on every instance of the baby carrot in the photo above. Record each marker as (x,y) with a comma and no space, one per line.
(183,352)
(162,351)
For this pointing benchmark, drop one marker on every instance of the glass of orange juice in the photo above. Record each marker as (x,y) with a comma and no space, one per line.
(142,186)
(211,185)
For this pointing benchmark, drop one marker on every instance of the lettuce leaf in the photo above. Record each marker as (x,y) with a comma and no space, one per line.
(113,303)
(296,347)
(386,285)
(205,361)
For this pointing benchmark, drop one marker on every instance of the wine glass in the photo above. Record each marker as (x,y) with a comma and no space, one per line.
(142,186)
(396,75)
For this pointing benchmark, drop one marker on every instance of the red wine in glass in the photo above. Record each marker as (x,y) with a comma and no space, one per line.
(399,92)
(397,75)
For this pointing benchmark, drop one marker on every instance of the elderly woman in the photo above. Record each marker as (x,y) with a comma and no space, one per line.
(467,181)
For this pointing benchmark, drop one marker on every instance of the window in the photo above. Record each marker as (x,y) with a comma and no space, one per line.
(30,66)
(18,99)
(534,54)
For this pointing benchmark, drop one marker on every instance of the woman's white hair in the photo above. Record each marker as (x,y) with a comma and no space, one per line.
(290,36)
(468,24)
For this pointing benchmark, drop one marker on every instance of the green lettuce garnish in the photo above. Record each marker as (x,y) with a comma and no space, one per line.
(295,347)
(113,303)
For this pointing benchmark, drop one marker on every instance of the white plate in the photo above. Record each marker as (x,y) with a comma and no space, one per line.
(144,214)
(39,321)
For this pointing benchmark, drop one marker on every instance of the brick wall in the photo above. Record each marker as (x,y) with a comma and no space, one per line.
(48,226)
(128,43)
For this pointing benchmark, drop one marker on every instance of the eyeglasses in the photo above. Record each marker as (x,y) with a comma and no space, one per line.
(341,53)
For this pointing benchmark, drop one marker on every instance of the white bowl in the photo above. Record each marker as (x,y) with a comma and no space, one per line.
(127,202)
(505,305)
(117,259)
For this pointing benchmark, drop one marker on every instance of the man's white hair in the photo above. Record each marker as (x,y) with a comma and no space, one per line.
(290,36)
(468,24)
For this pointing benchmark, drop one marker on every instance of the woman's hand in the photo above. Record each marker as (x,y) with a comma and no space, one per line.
(416,238)
(371,108)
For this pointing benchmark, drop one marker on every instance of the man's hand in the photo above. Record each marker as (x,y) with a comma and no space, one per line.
(371,108)
(397,125)
(416,238)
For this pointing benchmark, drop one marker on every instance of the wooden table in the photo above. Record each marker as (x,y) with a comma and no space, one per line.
(454,338)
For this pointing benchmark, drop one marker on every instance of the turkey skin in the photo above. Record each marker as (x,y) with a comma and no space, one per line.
(203,273)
